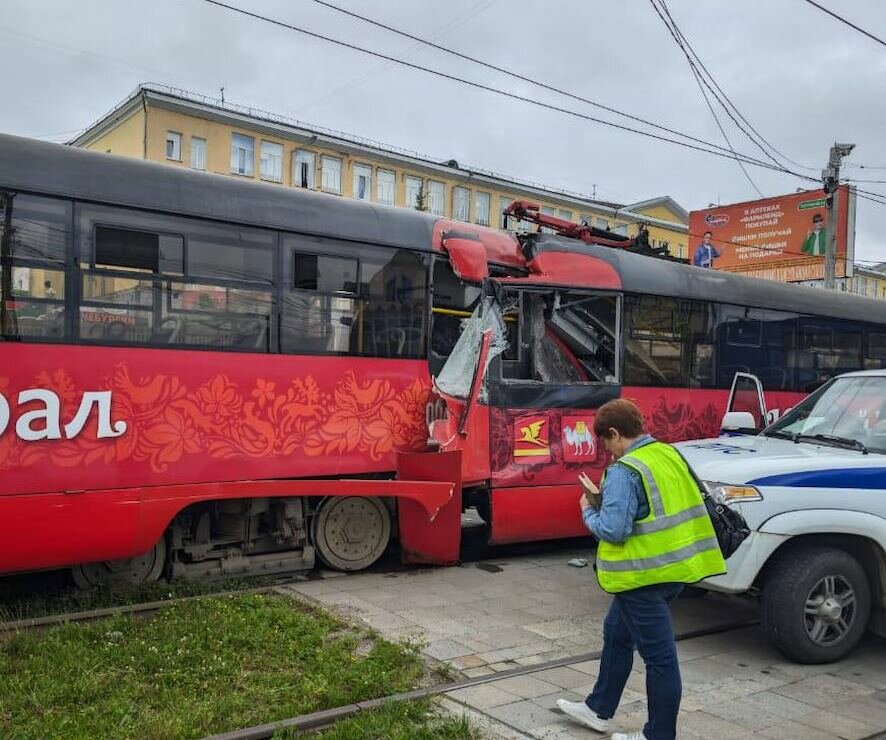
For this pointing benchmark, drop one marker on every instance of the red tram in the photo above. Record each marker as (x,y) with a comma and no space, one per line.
(202,376)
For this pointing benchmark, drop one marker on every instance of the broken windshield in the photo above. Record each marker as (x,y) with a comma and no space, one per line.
(458,371)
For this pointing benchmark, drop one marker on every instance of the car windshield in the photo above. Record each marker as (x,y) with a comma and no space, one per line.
(848,412)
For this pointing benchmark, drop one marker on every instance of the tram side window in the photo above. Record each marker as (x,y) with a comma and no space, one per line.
(127,249)
(35,241)
(758,341)
(320,309)
(828,347)
(875,349)
(653,342)
(174,281)
(395,289)
(225,298)
(342,299)
(454,301)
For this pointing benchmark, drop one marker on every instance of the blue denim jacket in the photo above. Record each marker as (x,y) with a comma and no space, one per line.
(624,501)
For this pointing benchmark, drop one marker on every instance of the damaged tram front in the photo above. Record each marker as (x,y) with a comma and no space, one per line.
(541,349)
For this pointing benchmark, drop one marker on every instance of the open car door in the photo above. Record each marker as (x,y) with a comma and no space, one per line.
(746,408)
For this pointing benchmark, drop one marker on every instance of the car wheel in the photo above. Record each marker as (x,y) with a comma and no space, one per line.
(816,604)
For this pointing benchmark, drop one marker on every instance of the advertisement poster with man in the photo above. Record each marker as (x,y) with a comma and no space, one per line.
(782,238)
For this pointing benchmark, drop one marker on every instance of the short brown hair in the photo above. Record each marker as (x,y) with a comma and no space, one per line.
(621,415)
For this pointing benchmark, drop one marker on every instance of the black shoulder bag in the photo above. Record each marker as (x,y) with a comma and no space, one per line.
(729,526)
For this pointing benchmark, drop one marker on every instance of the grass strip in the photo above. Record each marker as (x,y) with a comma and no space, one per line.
(201,667)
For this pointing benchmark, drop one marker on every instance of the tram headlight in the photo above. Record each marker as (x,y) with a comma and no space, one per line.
(732,494)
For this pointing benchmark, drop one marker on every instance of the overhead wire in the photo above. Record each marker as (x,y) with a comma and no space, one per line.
(406,53)
(717,90)
(864,166)
(847,22)
(516,75)
(675,34)
(725,101)
(709,148)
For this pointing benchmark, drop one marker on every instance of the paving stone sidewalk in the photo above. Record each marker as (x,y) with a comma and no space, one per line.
(483,618)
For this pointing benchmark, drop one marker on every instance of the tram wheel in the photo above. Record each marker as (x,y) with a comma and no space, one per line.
(140,569)
(351,532)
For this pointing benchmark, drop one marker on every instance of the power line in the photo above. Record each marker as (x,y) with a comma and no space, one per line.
(715,150)
(515,75)
(726,103)
(864,166)
(406,53)
(676,35)
(872,197)
(847,22)
(54,134)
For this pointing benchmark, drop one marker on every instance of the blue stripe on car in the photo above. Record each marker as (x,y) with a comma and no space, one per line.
(863,478)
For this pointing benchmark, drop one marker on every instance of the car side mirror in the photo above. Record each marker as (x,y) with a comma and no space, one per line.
(738,421)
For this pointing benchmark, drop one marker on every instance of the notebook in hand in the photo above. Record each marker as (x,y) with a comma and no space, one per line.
(590,490)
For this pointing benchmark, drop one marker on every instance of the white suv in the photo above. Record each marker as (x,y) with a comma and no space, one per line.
(812,487)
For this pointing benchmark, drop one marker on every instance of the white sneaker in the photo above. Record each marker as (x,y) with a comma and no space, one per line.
(581,713)
(632,736)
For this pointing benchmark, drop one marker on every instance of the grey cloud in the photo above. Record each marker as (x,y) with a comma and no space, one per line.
(800,77)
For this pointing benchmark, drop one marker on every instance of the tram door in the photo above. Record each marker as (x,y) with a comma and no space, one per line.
(562,363)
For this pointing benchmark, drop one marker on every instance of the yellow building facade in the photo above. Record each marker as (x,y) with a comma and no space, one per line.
(187,130)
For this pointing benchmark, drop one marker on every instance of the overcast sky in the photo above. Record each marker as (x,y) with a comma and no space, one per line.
(800,77)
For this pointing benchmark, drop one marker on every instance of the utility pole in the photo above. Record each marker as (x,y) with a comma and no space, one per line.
(830,178)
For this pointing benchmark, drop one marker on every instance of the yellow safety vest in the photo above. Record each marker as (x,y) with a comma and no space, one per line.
(675,542)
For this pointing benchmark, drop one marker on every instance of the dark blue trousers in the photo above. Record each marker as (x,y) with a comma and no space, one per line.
(641,620)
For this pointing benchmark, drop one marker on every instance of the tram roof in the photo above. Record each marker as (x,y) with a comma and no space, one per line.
(643,274)
(54,169)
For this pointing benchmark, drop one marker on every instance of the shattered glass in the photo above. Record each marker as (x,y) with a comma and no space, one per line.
(455,377)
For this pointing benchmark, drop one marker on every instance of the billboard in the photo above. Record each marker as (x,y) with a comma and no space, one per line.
(781,238)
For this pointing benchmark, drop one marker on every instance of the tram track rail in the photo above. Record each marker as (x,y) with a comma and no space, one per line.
(326,718)
(146,607)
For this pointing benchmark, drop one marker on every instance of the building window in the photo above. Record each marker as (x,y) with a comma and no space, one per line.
(414,193)
(461,204)
(362,182)
(621,229)
(601,223)
(387,187)
(242,154)
(271,161)
(482,206)
(304,165)
(173,146)
(548,211)
(506,221)
(331,174)
(565,214)
(198,153)
(436,197)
